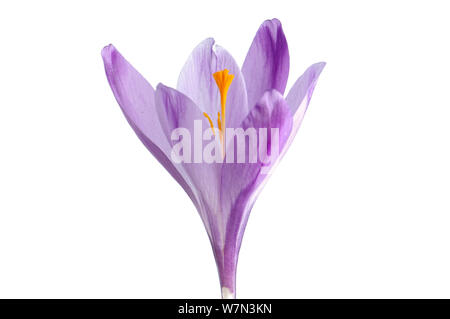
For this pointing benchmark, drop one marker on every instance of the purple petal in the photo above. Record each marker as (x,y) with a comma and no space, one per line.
(197,82)
(176,110)
(136,98)
(241,182)
(266,66)
(300,94)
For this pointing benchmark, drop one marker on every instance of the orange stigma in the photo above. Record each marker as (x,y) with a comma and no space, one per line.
(223,80)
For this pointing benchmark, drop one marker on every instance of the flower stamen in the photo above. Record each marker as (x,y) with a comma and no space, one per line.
(210,121)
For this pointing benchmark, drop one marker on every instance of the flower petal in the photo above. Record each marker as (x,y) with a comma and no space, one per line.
(300,94)
(176,110)
(196,81)
(241,182)
(266,66)
(136,98)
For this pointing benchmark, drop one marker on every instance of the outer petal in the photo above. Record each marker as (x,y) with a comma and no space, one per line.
(241,182)
(301,92)
(136,98)
(266,66)
(197,82)
(176,110)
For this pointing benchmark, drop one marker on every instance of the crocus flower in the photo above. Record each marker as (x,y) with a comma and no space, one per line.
(212,87)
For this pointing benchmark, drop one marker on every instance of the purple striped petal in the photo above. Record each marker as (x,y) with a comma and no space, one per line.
(266,66)
(300,95)
(241,182)
(196,81)
(176,110)
(136,98)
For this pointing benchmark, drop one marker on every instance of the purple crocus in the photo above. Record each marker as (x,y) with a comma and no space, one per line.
(215,92)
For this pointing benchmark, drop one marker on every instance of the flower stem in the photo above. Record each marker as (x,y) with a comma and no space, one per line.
(228,294)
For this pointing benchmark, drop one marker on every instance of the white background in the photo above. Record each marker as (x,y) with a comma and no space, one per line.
(359,207)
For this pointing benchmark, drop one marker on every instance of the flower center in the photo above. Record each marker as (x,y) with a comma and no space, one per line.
(223,81)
